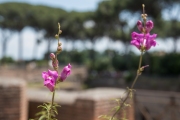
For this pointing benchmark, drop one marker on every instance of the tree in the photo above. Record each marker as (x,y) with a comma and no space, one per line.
(15,19)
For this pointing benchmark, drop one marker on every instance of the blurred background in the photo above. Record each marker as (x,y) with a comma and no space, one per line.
(95,38)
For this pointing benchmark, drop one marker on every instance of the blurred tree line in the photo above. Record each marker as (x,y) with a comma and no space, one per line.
(114,19)
(111,60)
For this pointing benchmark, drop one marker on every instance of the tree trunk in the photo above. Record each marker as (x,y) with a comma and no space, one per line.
(73,45)
(126,52)
(49,46)
(127,56)
(48,50)
(175,45)
(4,47)
(35,49)
(20,48)
(92,54)
(5,39)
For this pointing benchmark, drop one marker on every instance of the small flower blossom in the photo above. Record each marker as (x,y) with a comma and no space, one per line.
(65,72)
(143,41)
(50,79)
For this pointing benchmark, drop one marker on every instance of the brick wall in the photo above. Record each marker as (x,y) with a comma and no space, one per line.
(13,102)
(82,105)
(75,105)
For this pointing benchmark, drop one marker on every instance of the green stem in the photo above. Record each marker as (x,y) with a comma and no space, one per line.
(49,115)
(134,81)
(52,102)
(137,75)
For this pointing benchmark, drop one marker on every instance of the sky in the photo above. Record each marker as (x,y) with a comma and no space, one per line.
(78,5)
(69,5)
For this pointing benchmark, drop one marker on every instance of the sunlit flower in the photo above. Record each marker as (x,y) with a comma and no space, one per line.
(50,79)
(65,72)
(143,41)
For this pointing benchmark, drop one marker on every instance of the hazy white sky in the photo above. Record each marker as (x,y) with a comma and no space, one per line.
(78,5)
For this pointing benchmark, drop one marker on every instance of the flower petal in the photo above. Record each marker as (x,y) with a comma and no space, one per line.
(139,26)
(136,43)
(65,72)
(149,26)
(44,75)
(50,86)
(54,74)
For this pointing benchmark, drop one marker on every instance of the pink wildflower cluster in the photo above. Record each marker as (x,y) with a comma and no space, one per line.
(144,41)
(51,77)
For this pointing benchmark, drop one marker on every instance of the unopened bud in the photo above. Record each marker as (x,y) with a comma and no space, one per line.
(59,43)
(59,48)
(56,36)
(142,68)
(59,25)
(55,64)
(52,56)
(149,26)
(60,31)
(139,26)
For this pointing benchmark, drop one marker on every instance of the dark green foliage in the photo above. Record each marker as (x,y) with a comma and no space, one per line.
(170,64)
(78,57)
(166,65)
(102,64)
(119,63)
(7,60)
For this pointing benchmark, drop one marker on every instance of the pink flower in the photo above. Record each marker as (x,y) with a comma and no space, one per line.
(143,41)
(149,26)
(50,79)
(65,72)
(139,26)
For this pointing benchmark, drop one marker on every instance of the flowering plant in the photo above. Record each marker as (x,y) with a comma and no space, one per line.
(51,79)
(143,41)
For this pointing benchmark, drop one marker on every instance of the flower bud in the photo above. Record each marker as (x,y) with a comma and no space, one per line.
(52,56)
(59,49)
(55,64)
(56,36)
(65,72)
(139,26)
(59,44)
(60,31)
(149,26)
